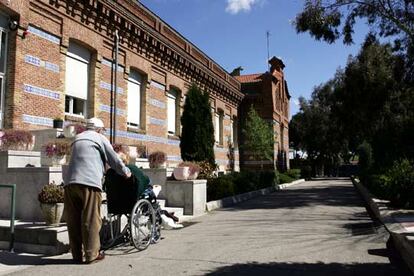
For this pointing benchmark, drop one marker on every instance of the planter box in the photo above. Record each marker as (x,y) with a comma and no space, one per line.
(52,162)
(188,194)
(18,159)
(43,136)
(29,182)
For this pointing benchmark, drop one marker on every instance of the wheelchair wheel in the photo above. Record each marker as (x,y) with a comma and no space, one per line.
(142,224)
(157,229)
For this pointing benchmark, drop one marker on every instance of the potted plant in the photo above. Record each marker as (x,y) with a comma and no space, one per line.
(51,202)
(13,139)
(186,170)
(157,159)
(58,122)
(58,151)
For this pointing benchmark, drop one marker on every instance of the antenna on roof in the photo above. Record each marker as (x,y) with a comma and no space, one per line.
(268,50)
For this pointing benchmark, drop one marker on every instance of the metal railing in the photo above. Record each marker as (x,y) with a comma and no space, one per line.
(12,211)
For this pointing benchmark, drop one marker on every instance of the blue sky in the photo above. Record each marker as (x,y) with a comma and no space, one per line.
(233,33)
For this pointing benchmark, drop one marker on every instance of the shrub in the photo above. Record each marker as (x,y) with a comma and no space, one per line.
(207,169)
(293,173)
(400,184)
(58,148)
(268,179)
(245,182)
(51,193)
(220,187)
(157,159)
(16,139)
(283,178)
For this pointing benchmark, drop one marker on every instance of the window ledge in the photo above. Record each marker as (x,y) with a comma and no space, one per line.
(75,118)
(173,137)
(136,130)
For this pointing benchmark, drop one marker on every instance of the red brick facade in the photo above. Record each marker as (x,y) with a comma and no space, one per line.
(268,94)
(36,60)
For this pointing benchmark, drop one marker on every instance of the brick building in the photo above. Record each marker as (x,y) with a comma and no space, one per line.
(56,61)
(269,95)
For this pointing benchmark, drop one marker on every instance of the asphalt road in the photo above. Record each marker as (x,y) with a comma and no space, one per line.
(314,228)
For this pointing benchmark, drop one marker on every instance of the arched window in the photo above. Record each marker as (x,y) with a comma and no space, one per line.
(134,99)
(77,79)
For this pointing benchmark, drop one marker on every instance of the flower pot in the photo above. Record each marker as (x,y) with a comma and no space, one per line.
(57,123)
(181,173)
(58,160)
(52,212)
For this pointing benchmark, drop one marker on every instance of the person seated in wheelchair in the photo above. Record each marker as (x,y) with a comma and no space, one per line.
(122,194)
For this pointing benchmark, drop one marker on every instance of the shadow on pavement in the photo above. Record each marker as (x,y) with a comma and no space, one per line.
(337,195)
(308,269)
(16,259)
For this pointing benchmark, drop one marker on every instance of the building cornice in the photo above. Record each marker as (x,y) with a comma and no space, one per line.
(141,30)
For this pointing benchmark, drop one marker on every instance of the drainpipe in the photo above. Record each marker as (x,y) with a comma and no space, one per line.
(115,85)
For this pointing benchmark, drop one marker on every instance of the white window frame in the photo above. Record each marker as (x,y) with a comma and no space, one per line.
(172,122)
(135,78)
(71,104)
(83,58)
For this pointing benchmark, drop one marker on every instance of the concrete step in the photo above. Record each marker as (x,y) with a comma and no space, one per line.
(37,238)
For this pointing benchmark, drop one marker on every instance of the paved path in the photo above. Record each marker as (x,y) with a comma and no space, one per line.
(315,228)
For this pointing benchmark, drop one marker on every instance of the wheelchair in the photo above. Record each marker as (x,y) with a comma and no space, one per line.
(143,214)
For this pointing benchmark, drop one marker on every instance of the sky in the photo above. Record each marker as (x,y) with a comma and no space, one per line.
(233,33)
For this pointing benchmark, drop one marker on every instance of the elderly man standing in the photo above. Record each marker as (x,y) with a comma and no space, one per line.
(91,150)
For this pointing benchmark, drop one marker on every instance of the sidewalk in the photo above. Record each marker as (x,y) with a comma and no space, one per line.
(399,223)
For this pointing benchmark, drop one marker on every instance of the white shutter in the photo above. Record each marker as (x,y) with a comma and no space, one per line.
(77,72)
(171,109)
(217,127)
(134,98)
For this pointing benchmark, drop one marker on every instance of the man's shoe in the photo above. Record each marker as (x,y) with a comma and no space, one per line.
(100,257)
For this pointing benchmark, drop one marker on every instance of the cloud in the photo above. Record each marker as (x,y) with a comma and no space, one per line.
(236,6)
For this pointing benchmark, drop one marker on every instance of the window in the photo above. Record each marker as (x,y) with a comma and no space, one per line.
(77,79)
(234,132)
(134,99)
(172,109)
(218,127)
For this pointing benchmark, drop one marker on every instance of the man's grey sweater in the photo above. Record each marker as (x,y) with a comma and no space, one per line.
(90,152)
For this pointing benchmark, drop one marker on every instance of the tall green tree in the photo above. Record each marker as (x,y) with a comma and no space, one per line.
(197,136)
(331,19)
(259,137)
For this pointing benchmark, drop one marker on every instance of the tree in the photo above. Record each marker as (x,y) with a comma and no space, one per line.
(324,19)
(259,137)
(315,130)
(197,136)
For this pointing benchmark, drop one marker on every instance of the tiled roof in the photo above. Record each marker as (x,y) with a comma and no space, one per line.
(250,78)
